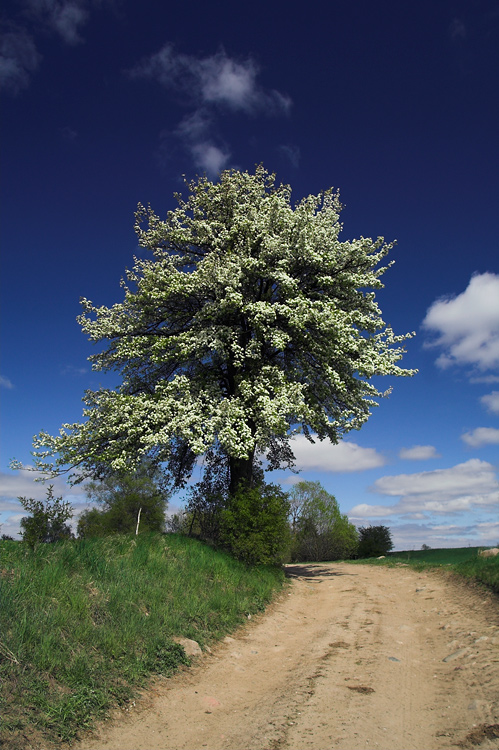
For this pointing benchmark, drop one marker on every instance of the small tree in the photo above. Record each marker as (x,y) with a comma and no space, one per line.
(47,522)
(129,502)
(374,541)
(320,530)
(255,527)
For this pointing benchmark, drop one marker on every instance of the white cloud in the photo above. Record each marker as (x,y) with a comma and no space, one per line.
(71,370)
(481,436)
(469,485)
(66,20)
(224,81)
(65,17)
(5,382)
(209,157)
(343,457)
(489,532)
(195,126)
(209,85)
(12,526)
(409,536)
(473,475)
(419,452)
(19,58)
(491,402)
(467,326)
(292,153)
(195,133)
(23,484)
(484,379)
(214,80)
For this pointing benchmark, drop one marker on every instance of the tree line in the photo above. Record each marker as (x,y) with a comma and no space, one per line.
(259,525)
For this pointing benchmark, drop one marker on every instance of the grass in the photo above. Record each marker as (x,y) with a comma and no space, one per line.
(84,623)
(464,561)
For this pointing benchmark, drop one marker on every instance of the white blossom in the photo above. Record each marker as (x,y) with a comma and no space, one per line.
(250,320)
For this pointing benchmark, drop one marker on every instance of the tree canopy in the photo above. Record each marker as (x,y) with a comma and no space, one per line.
(319,530)
(251,320)
(374,541)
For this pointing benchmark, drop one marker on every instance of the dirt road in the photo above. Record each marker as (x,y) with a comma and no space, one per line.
(350,657)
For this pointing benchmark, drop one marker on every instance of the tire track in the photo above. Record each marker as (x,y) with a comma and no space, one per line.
(349,657)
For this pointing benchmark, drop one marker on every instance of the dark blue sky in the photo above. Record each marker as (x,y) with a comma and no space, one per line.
(106,104)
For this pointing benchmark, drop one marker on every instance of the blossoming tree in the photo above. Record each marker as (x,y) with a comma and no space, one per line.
(249,321)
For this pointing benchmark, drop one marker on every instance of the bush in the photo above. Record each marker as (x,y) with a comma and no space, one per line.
(374,541)
(47,522)
(254,525)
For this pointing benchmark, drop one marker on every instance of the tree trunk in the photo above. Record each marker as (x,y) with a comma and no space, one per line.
(241,472)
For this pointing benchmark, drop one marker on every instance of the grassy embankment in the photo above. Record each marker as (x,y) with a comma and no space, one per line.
(463,560)
(85,623)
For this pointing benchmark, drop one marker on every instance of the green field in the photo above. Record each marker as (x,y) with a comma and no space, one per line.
(438,556)
(85,622)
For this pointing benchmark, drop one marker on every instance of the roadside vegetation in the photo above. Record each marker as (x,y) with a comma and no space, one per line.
(85,622)
(464,561)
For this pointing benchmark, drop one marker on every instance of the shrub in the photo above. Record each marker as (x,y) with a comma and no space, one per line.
(47,522)
(374,541)
(254,525)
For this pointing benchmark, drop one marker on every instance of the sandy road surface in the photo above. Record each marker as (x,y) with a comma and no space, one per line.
(349,657)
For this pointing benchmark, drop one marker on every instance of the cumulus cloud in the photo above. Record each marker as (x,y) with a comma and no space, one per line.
(209,157)
(343,457)
(472,484)
(65,17)
(484,379)
(209,86)
(481,436)
(217,79)
(23,483)
(473,475)
(19,58)
(409,536)
(419,452)
(491,402)
(196,133)
(467,325)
